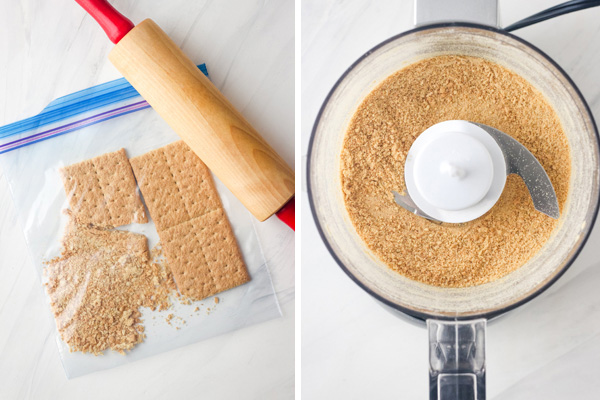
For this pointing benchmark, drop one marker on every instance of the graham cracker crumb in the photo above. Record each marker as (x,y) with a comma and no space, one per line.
(97,286)
(165,274)
(375,149)
(172,319)
(185,300)
(217,300)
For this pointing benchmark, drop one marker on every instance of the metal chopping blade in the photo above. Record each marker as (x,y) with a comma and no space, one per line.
(519,161)
(406,202)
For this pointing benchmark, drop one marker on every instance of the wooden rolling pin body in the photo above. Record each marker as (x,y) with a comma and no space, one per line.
(196,110)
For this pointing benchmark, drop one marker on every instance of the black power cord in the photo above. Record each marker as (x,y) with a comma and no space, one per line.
(552,12)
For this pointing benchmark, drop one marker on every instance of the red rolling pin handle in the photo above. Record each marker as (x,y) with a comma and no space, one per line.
(114,23)
(288,214)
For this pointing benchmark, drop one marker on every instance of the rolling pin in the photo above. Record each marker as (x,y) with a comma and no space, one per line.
(195,109)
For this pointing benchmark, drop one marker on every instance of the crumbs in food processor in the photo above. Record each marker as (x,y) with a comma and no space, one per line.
(372,166)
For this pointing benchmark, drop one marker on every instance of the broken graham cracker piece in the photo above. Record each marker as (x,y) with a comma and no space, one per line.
(102,191)
(97,285)
(196,236)
(86,238)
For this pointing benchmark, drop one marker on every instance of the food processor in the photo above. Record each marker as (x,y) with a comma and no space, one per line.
(455,317)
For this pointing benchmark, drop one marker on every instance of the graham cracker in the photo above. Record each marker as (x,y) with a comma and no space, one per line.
(196,236)
(176,184)
(102,191)
(204,256)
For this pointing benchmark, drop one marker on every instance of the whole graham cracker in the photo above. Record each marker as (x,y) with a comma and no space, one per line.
(204,256)
(196,236)
(102,191)
(176,185)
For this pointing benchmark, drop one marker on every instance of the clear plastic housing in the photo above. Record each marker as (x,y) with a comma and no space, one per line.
(414,298)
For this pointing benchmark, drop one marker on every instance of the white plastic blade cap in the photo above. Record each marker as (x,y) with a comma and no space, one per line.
(455,171)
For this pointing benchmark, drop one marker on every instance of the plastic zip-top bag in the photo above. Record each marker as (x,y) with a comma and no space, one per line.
(109,285)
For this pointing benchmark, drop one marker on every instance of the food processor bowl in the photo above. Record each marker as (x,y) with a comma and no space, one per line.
(414,298)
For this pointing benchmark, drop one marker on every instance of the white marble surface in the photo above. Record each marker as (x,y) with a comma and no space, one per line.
(51,48)
(354,349)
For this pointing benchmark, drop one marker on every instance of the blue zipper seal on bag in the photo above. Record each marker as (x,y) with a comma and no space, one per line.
(72,105)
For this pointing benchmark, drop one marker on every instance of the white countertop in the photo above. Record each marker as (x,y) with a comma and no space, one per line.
(52,48)
(352,348)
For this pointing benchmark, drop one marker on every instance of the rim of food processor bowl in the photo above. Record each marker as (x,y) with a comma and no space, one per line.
(416,314)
